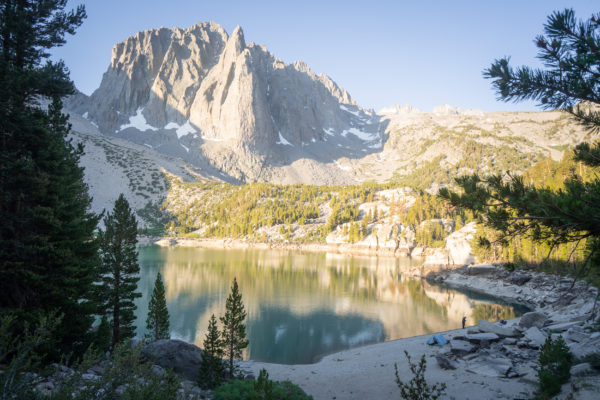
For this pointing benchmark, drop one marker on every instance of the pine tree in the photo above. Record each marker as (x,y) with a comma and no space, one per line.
(119,270)
(47,246)
(212,366)
(157,322)
(570,51)
(234,331)
(102,340)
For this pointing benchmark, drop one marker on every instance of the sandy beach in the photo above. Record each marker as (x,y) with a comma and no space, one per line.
(368,373)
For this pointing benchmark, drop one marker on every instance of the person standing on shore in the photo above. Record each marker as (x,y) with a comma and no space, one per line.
(464,321)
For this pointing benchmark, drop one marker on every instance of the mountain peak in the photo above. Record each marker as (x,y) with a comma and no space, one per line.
(203,95)
(236,40)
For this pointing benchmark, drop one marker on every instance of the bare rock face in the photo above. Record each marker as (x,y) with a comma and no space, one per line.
(157,70)
(458,245)
(206,96)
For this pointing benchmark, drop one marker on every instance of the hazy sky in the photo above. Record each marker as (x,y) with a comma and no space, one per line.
(424,53)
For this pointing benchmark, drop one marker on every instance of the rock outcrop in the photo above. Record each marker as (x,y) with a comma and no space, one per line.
(183,357)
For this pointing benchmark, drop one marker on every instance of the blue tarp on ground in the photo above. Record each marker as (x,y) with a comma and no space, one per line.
(440,340)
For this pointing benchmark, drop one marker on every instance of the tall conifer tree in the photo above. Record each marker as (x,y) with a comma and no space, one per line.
(234,330)
(157,322)
(47,246)
(120,271)
(212,367)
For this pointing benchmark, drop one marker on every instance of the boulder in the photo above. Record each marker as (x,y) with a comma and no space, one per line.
(159,371)
(183,357)
(501,331)
(461,347)
(518,278)
(482,270)
(458,245)
(561,327)
(90,377)
(575,335)
(483,338)
(45,388)
(445,363)
(487,365)
(534,318)
(535,337)
(582,369)
(585,348)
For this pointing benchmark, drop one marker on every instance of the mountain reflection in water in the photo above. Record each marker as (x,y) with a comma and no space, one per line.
(303,305)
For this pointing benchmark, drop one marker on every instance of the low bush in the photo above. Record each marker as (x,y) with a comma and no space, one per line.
(261,389)
(20,355)
(126,376)
(418,388)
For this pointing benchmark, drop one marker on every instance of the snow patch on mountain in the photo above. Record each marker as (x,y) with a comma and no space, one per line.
(329,131)
(343,107)
(181,130)
(283,141)
(342,167)
(138,121)
(365,136)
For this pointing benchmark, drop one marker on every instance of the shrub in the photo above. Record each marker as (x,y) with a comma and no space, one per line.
(264,386)
(593,359)
(417,388)
(555,367)
(20,354)
(261,389)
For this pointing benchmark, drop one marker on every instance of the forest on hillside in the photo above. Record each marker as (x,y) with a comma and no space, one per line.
(309,213)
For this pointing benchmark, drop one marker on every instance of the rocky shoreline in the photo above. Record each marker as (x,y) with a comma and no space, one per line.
(431,256)
(490,360)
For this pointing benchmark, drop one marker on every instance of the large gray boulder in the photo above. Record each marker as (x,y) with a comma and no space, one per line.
(585,348)
(576,335)
(489,327)
(519,278)
(183,357)
(482,270)
(490,365)
(461,347)
(534,318)
(534,337)
(483,338)
(561,327)
(582,369)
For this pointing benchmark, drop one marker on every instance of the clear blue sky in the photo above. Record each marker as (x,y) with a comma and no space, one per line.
(424,53)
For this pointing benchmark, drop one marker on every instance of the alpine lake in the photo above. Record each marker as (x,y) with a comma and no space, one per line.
(304,305)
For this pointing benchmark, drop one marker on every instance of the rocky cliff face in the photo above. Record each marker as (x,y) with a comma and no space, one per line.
(201,94)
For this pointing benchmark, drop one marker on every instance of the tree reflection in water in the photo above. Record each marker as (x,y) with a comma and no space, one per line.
(303,305)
